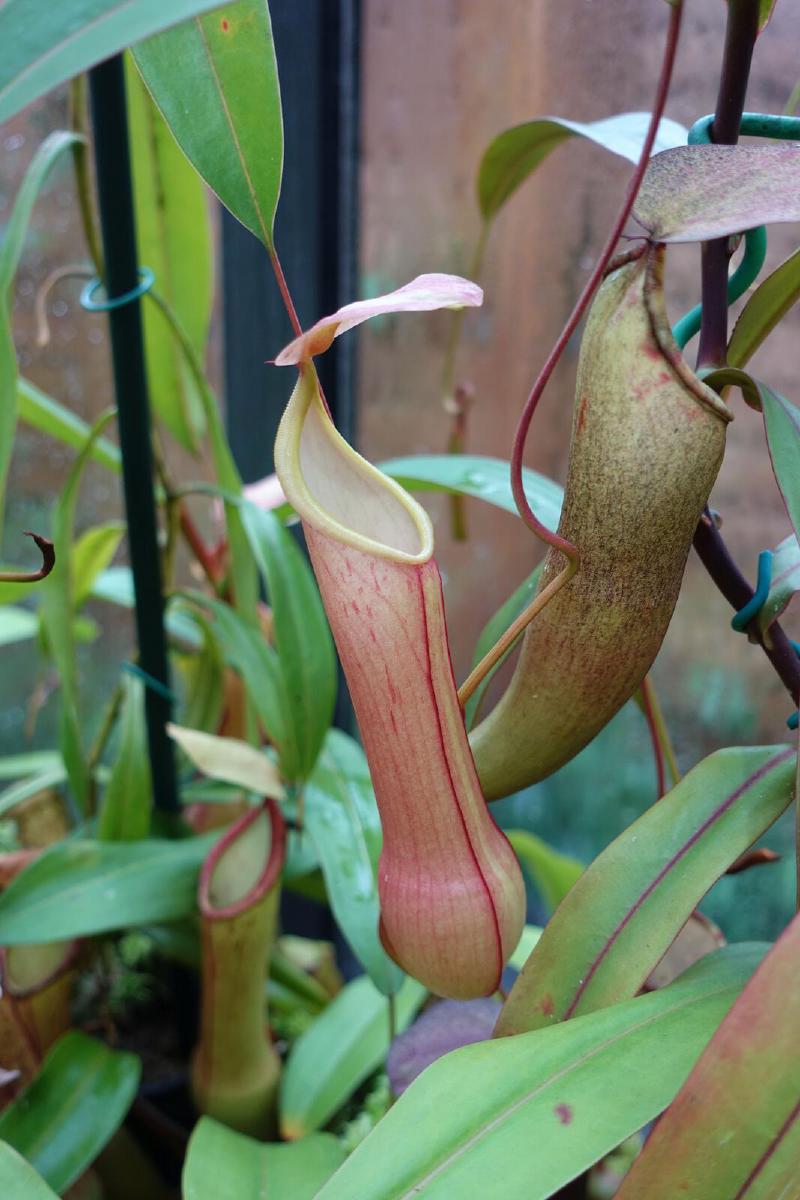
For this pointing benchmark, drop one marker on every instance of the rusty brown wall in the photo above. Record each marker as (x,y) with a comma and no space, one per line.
(441,77)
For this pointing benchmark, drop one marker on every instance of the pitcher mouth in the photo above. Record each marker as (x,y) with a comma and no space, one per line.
(337,491)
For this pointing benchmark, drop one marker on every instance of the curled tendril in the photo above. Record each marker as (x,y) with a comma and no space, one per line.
(48,553)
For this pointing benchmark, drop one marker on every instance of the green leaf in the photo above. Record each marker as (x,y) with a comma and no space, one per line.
(620,917)
(530,936)
(223,1165)
(115,586)
(17,624)
(62,1120)
(204,688)
(694,193)
(81,887)
(302,638)
(48,416)
(15,232)
(174,239)
(785,581)
(782,423)
(91,554)
(734,1128)
(765,308)
(41,47)
(15,766)
(474,475)
(552,872)
(516,152)
(246,650)
(58,605)
(18,1178)
(535,1111)
(11,796)
(347,1042)
(494,628)
(215,79)
(341,818)
(128,796)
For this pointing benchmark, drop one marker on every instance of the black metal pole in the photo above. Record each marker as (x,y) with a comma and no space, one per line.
(115,195)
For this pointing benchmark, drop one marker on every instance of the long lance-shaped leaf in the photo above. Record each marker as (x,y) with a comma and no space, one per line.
(342,821)
(487,479)
(647,442)
(43,46)
(536,1110)
(768,305)
(215,80)
(64,1118)
(43,161)
(516,152)
(42,412)
(452,896)
(81,887)
(224,1165)
(302,638)
(174,238)
(128,796)
(346,1044)
(18,1178)
(622,914)
(694,193)
(733,1131)
(782,426)
(57,622)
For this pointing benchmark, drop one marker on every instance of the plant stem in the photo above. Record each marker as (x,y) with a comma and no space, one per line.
(525,511)
(283,287)
(708,541)
(715,557)
(740,38)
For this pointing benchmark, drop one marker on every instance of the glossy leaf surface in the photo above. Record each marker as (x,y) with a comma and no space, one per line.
(215,80)
(41,46)
(341,818)
(516,153)
(224,1165)
(534,1111)
(62,1120)
(734,1128)
(81,887)
(694,193)
(174,240)
(346,1043)
(630,903)
(475,475)
(302,638)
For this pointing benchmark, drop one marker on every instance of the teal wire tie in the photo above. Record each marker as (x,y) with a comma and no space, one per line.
(146,281)
(754,605)
(155,685)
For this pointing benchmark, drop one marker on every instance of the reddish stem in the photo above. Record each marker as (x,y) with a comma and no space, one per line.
(283,287)
(207,559)
(658,752)
(592,283)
